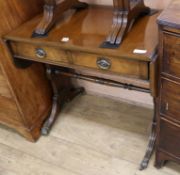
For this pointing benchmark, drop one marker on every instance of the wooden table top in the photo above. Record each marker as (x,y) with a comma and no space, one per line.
(171,16)
(87,29)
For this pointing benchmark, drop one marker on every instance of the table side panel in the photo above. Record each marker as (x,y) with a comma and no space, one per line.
(4,89)
(9,112)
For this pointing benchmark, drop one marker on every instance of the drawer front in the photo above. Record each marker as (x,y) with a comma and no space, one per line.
(171,54)
(170,99)
(8,111)
(123,66)
(169,138)
(39,52)
(4,89)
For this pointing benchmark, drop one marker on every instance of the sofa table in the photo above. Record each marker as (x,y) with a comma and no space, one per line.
(72,50)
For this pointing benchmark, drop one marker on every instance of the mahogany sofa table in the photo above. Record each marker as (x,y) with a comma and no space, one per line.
(72,49)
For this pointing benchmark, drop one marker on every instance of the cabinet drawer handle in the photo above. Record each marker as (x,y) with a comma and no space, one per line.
(167,107)
(40,53)
(103,63)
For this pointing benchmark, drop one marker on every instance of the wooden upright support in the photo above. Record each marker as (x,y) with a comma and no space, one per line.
(53,9)
(125,13)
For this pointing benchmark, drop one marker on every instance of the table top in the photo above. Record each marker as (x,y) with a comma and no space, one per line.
(171,15)
(87,29)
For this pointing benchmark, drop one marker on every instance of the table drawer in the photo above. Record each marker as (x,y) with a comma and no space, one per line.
(169,138)
(132,68)
(170,99)
(4,89)
(39,52)
(123,66)
(171,54)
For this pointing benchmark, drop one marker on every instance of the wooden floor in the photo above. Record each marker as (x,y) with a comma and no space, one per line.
(92,136)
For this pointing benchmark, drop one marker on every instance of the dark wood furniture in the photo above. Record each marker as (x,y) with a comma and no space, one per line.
(125,14)
(25,95)
(72,50)
(168,142)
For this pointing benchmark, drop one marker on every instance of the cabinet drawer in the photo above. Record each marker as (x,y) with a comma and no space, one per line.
(169,138)
(132,68)
(8,111)
(4,89)
(171,54)
(170,99)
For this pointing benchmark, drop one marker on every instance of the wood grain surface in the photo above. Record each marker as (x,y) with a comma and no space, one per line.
(90,137)
(29,88)
(168,145)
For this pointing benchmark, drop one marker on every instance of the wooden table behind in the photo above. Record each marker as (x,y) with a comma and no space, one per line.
(27,92)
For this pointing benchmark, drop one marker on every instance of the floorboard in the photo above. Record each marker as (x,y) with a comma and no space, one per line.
(92,136)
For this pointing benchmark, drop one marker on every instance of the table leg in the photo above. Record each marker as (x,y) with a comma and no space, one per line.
(60,96)
(152,141)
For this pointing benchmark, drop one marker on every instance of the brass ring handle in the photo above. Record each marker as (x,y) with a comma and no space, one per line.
(40,53)
(103,63)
